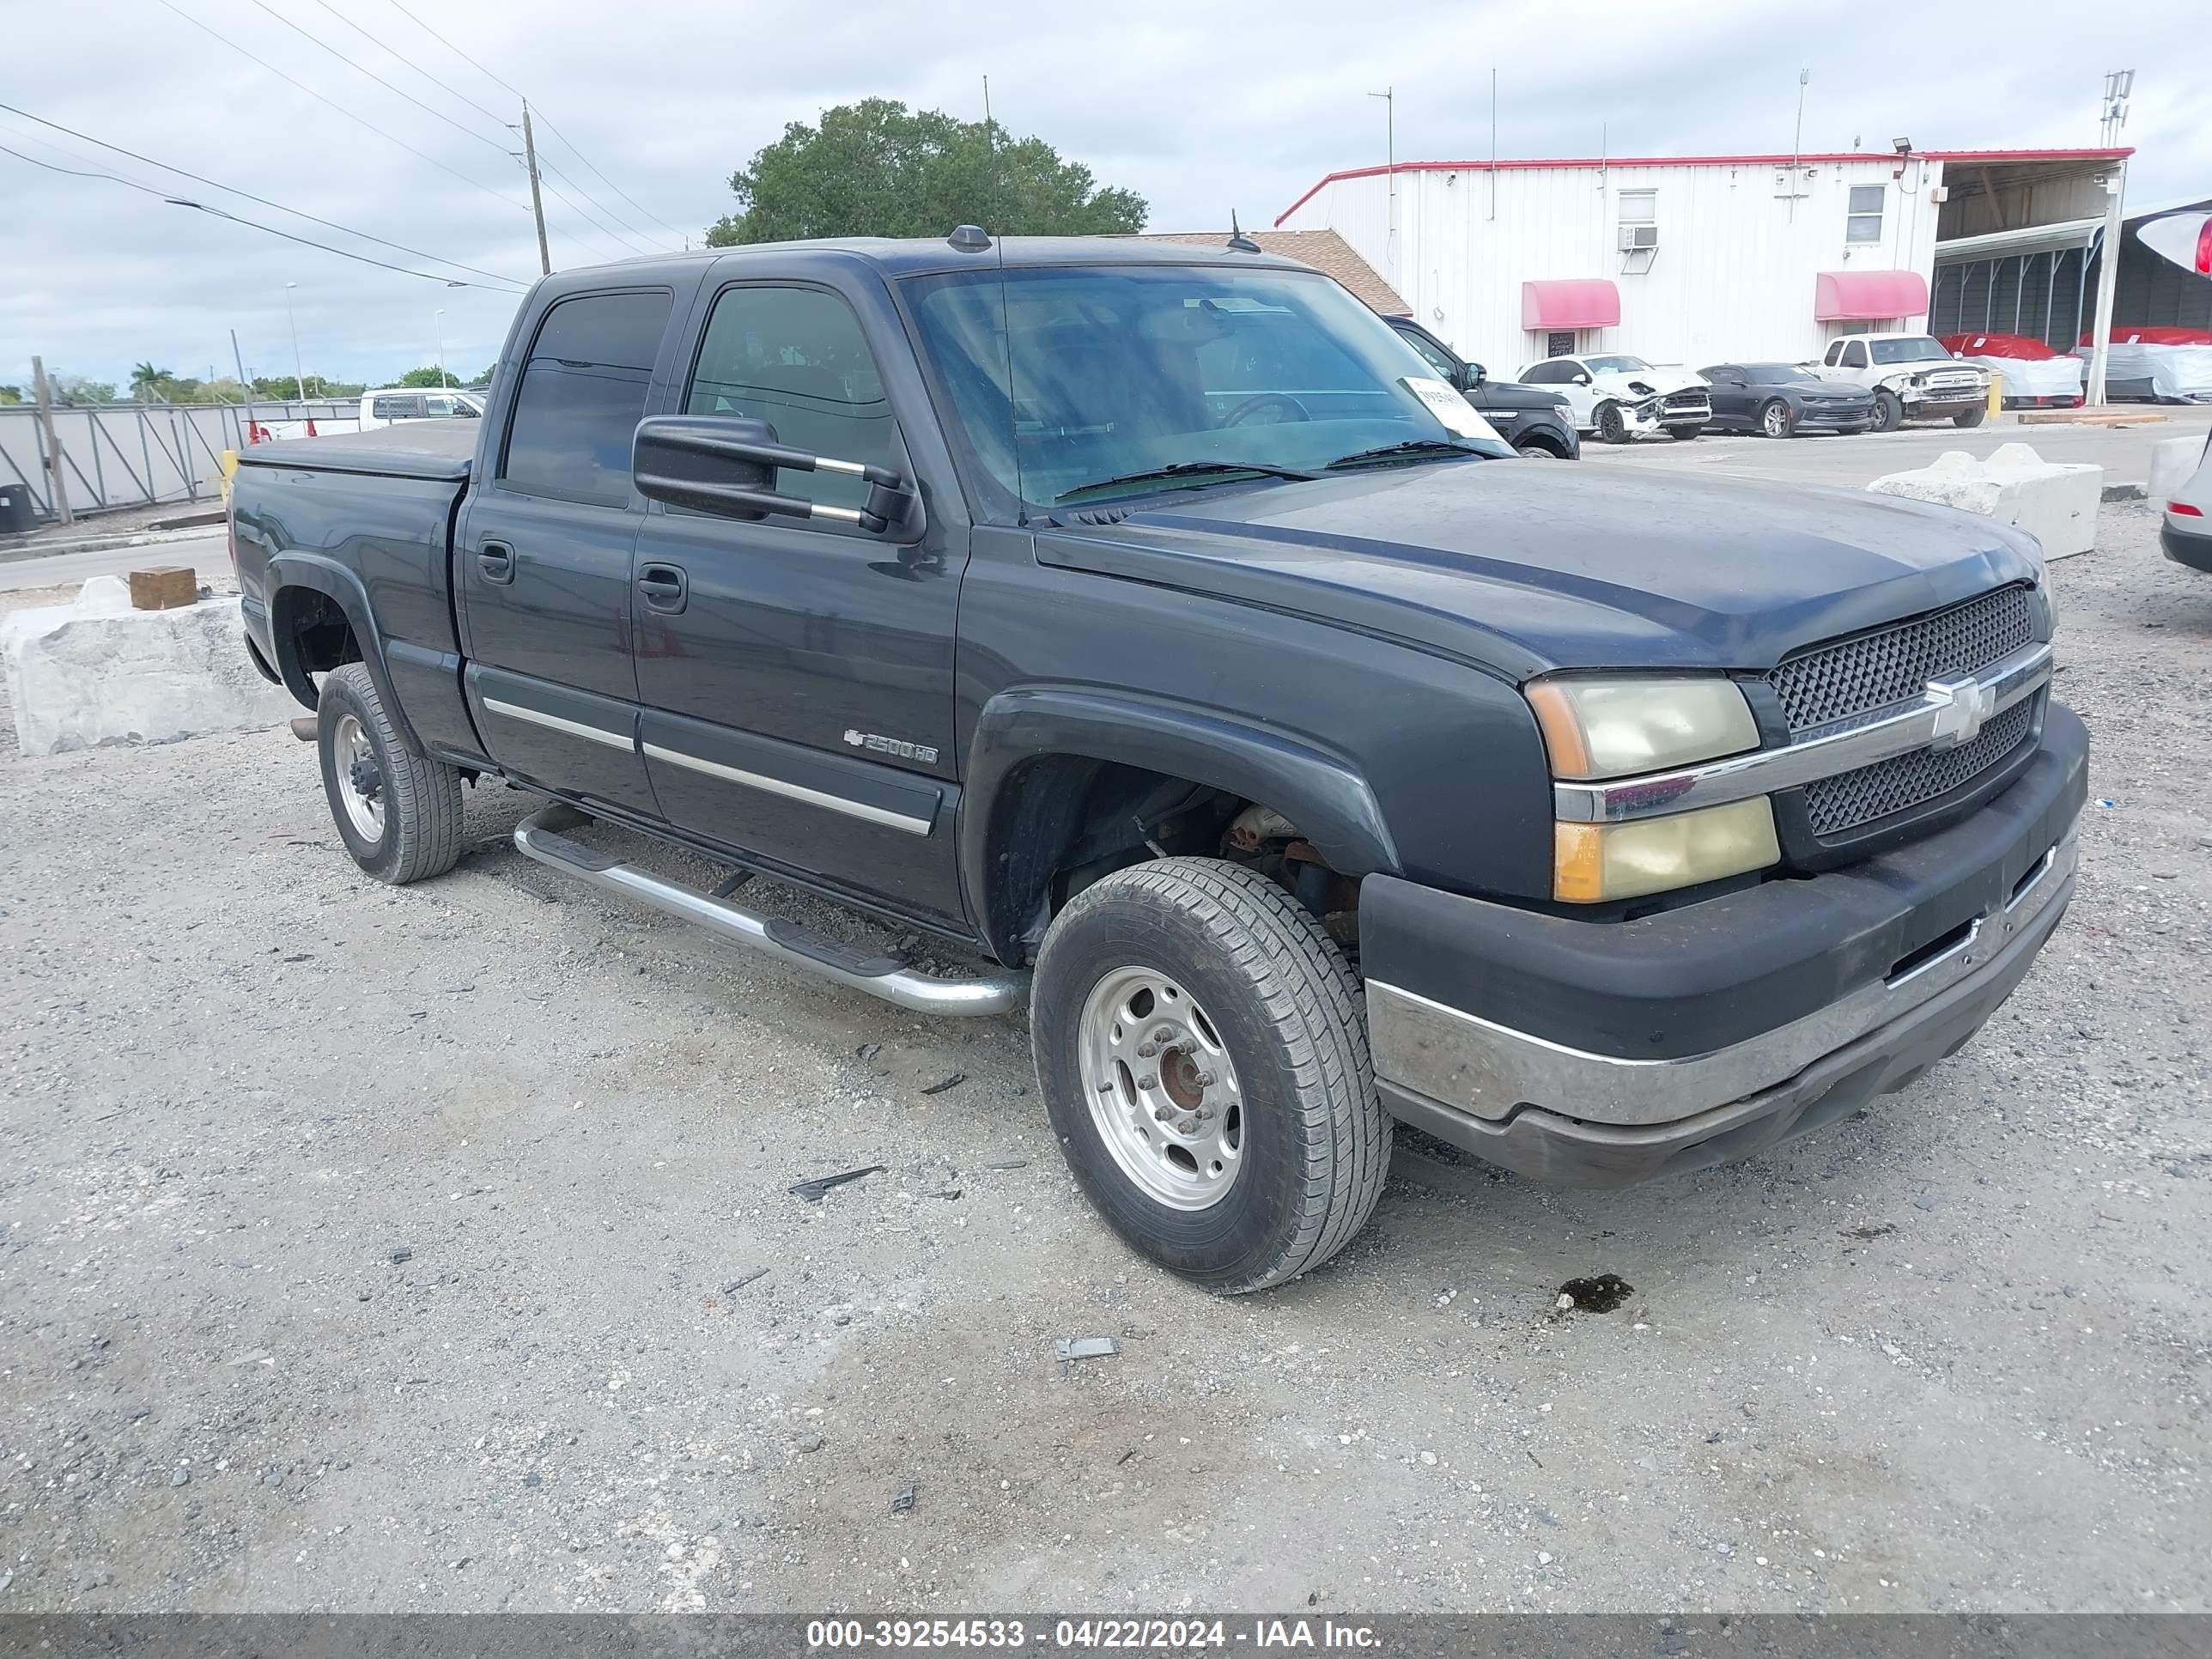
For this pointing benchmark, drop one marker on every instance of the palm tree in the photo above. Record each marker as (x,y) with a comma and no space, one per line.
(148,381)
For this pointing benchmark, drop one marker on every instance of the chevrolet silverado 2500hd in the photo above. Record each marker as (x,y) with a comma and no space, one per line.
(1149,624)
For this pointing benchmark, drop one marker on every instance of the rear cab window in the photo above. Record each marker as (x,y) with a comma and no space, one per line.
(582,392)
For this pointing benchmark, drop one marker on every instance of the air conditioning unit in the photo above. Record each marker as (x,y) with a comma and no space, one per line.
(1639,238)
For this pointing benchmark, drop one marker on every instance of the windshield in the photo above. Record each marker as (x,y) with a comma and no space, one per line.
(1907,351)
(1127,370)
(1615,365)
(1781,374)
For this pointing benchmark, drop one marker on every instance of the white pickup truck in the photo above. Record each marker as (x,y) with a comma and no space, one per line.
(1911,376)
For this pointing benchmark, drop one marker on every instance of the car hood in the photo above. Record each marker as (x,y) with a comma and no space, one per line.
(1521,568)
(1654,381)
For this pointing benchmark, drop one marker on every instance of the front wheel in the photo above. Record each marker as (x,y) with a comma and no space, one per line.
(1611,424)
(1539,453)
(1776,420)
(1970,416)
(1889,411)
(399,814)
(1204,1058)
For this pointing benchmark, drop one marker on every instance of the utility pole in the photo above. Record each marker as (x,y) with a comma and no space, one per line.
(1494,141)
(536,204)
(1797,147)
(440,316)
(1389,97)
(299,375)
(239,358)
(55,470)
(2108,278)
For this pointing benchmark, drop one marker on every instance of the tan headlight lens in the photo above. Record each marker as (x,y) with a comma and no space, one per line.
(1615,728)
(1593,862)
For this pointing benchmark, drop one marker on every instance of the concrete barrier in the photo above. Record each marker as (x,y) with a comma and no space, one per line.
(94,671)
(2055,502)
(2172,463)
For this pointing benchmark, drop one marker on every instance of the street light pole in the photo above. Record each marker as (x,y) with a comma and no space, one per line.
(440,316)
(299,378)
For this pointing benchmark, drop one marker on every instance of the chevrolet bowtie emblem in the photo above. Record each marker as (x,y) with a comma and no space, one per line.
(1961,703)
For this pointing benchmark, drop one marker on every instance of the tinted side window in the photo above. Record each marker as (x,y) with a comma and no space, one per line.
(1855,356)
(396,408)
(795,358)
(582,393)
(1540,374)
(1434,353)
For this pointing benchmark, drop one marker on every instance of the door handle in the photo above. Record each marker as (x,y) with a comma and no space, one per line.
(665,586)
(496,561)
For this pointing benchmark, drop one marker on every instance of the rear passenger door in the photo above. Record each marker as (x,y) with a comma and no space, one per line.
(543,552)
(796,674)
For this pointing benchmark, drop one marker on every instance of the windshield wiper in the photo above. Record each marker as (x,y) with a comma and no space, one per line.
(1411,447)
(1225,472)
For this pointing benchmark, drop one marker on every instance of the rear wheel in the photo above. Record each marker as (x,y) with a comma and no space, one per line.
(1775,419)
(399,814)
(1611,425)
(1888,413)
(1539,453)
(1204,1059)
(1970,416)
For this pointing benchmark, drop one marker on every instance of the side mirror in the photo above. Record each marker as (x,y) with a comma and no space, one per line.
(1581,377)
(726,464)
(1476,374)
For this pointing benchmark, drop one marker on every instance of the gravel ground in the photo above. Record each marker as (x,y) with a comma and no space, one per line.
(431,1249)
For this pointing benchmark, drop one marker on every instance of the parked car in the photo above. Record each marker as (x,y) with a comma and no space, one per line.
(1299,764)
(392,404)
(1619,396)
(2157,364)
(2186,531)
(1911,376)
(1776,400)
(1536,421)
(2033,376)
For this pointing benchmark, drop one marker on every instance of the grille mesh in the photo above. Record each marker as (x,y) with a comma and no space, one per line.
(1851,799)
(1834,682)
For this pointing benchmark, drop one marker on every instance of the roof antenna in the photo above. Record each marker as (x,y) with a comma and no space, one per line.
(1238,241)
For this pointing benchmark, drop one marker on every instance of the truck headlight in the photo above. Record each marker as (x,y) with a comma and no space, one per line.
(1618,728)
(1593,862)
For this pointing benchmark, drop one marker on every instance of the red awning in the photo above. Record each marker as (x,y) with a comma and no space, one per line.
(1588,302)
(1868,296)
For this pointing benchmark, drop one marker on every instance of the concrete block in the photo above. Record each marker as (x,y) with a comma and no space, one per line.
(164,588)
(2173,464)
(96,671)
(2055,502)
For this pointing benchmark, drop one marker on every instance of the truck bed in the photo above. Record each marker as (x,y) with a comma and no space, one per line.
(440,450)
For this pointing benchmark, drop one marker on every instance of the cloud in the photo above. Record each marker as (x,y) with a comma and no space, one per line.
(1203,109)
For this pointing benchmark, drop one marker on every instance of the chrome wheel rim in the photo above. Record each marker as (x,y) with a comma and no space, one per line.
(1163,1091)
(360,778)
(1777,420)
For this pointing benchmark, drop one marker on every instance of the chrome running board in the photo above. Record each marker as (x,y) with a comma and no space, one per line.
(538,837)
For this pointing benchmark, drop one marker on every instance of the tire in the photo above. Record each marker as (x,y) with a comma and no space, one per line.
(1970,417)
(1889,411)
(1776,419)
(399,814)
(1682,434)
(1540,452)
(1611,425)
(1201,948)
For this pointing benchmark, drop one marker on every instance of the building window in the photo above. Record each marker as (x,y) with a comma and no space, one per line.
(1864,224)
(1639,221)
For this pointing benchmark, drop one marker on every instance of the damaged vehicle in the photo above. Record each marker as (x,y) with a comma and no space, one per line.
(1619,398)
(1148,629)
(1911,376)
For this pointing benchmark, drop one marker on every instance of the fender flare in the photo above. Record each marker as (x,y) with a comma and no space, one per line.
(1323,793)
(325,575)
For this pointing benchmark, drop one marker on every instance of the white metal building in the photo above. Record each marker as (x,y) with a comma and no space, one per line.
(1680,259)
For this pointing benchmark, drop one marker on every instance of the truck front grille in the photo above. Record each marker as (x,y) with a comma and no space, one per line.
(1850,799)
(1893,665)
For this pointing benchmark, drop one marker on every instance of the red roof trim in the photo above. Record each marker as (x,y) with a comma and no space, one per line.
(1828,158)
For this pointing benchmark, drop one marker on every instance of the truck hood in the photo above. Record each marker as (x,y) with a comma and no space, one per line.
(1521,567)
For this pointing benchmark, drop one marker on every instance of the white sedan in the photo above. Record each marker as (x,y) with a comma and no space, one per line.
(1619,396)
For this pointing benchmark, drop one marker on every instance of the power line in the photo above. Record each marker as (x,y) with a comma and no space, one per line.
(254,224)
(547,167)
(410,63)
(548,124)
(360,120)
(426,109)
(233,190)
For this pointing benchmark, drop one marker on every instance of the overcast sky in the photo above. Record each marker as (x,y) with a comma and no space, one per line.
(1200,108)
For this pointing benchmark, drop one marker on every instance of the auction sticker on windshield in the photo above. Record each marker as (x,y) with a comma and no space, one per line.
(1454,411)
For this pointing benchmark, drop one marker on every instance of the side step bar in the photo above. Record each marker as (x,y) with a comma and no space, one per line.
(539,836)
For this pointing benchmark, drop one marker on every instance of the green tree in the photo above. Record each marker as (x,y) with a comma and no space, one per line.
(11,394)
(277,388)
(432,377)
(877,169)
(152,384)
(76,389)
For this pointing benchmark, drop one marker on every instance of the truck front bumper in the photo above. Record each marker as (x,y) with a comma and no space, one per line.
(1606,1054)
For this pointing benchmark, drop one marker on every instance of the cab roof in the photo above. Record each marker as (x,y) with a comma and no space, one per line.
(923,256)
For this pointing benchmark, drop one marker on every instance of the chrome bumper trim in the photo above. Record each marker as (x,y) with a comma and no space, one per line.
(1840,746)
(1488,1071)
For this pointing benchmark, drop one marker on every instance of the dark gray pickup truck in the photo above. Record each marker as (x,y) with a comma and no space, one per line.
(1150,626)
